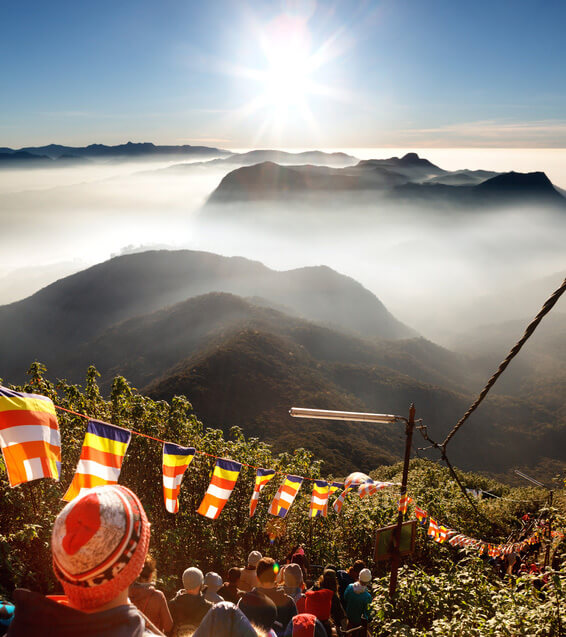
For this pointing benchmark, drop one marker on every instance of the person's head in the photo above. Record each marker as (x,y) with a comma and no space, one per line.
(253,558)
(149,569)
(192,580)
(293,576)
(234,576)
(331,567)
(99,543)
(212,581)
(259,609)
(365,576)
(225,620)
(355,570)
(299,558)
(266,571)
(328,580)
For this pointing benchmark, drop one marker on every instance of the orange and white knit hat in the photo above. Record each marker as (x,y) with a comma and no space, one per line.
(99,543)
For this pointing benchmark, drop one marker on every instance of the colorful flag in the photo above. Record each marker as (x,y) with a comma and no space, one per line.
(339,503)
(103,452)
(319,499)
(334,486)
(263,476)
(421,514)
(404,502)
(175,462)
(223,481)
(29,437)
(285,496)
(371,487)
(432,528)
(442,534)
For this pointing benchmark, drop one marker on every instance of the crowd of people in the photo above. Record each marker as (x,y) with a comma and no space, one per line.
(100,556)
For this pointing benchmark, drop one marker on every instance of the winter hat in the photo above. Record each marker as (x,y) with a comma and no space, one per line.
(213,581)
(192,578)
(365,576)
(225,619)
(99,543)
(259,609)
(293,576)
(253,558)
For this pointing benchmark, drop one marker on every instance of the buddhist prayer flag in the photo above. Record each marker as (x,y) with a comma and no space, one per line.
(263,476)
(319,499)
(29,436)
(175,462)
(404,504)
(103,452)
(339,503)
(421,514)
(432,528)
(334,486)
(223,481)
(371,487)
(285,496)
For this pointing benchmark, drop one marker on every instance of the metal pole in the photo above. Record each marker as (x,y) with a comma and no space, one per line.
(395,558)
(549,542)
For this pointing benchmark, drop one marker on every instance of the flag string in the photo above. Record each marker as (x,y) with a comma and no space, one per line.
(139,433)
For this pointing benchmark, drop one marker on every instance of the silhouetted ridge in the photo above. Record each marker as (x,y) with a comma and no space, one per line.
(512,182)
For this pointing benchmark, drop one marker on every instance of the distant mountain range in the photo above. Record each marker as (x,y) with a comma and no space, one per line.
(136,284)
(34,154)
(409,178)
(245,343)
(283,158)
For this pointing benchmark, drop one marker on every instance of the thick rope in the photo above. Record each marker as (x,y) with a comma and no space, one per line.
(550,303)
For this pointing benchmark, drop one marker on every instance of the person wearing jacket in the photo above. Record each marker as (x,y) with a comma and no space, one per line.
(286,609)
(148,599)
(322,600)
(248,577)
(189,606)
(357,599)
(98,544)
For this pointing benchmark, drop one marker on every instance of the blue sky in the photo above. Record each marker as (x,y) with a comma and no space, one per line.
(295,73)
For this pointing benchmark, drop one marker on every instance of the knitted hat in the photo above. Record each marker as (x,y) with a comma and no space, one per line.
(259,609)
(213,581)
(99,543)
(253,558)
(365,576)
(293,576)
(192,578)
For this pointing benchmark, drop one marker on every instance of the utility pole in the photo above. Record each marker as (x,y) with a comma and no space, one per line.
(549,523)
(395,557)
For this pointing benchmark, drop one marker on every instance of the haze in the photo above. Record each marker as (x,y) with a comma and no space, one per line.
(433,269)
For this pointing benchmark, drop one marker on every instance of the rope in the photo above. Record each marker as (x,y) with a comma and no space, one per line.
(139,433)
(550,303)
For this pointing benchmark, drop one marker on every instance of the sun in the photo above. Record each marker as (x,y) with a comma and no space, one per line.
(286,77)
(287,82)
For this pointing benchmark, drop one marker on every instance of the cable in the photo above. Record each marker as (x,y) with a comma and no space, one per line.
(549,304)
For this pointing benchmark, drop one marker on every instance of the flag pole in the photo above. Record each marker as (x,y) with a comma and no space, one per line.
(395,557)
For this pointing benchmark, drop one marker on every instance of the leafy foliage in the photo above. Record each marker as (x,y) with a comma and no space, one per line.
(441,590)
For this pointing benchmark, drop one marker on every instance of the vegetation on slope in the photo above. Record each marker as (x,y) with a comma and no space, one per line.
(442,590)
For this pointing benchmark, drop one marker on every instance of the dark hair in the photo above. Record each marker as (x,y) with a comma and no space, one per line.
(148,569)
(234,574)
(328,580)
(265,570)
(354,571)
(331,567)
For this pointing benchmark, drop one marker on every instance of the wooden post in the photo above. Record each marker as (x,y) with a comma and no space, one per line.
(396,558)
(549,540)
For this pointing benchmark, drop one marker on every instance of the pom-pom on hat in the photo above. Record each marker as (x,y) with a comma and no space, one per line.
(99,543)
